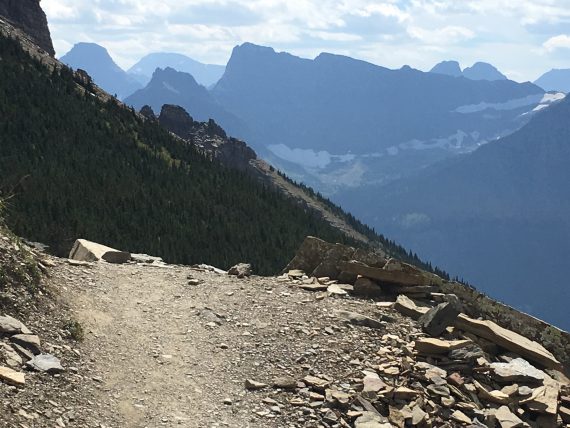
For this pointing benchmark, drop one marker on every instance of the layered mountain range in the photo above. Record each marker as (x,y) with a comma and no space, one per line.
(205,74)
(499,216)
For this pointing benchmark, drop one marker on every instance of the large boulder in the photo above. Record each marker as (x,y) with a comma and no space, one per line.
(87,251)
(318,258)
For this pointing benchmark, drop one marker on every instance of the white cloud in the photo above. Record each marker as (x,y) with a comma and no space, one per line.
(441,36)
(420,33)
(561,41)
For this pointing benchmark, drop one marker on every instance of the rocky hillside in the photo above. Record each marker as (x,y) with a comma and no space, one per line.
(29,17)
(199,347)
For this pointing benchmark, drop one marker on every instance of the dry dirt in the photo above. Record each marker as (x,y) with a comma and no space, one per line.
(158,352)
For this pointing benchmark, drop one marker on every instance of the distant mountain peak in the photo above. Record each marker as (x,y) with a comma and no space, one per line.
(483,71)
(205,74)
(450,68)
(478,71)
(555,80)
(96,60)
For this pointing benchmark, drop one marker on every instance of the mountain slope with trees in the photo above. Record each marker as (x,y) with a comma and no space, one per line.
(74,166)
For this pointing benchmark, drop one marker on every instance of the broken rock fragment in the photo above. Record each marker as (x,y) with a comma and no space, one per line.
(436,320)
(241,270)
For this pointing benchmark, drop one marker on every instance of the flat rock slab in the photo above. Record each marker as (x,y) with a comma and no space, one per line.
(509,340)
(371,420)
(359,319)
(12,377)
(407,307)
(508,419)
(45,363)
(439,346)
(545,398)
(387,275)
(87,251)
(518,370)
(29,342)
(9,325)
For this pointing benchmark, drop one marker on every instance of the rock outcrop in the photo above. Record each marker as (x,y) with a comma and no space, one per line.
(375,276)
(208,137)
(29,17)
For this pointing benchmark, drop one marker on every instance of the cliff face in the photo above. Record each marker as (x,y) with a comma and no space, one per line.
(29,16)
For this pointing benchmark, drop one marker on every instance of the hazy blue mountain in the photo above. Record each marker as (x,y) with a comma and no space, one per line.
(555,80)
(483,71)
(449,68)
(336,123)
(499,216)
(169,86)
(205,74)
(105,73)
(478,71)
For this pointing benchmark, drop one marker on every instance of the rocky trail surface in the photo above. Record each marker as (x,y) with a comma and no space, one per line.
(152,345)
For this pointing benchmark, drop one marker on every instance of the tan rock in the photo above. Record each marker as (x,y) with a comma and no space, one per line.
(462,418)
(438,346)
(508,419)
(400,273)
(404,393)
(509,340)
(9,325)
(87,251)
(12,377)
(252,385)
(316,382)
(545,398)
(285,382)
(30,342)
(492,396)
(406,306)
(371,420)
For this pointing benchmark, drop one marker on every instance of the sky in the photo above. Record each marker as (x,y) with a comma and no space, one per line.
(523,38)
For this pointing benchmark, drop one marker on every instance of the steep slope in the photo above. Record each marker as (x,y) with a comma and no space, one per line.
(205,74)
(29,17)
(169,86)
(499,216)
(96,61)
(79,167)
(555,80)
(336,123)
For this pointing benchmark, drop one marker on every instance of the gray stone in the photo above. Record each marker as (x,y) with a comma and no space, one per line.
(29,342)
(436,320)
(241,270)
(45,363)
(9,325)
(517,370)
(365,287)
(359,319)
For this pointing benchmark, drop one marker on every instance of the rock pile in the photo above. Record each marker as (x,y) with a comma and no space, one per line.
(20,348)
(448,369)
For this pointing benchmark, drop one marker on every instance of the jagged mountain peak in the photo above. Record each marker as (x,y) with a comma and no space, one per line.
(205,74)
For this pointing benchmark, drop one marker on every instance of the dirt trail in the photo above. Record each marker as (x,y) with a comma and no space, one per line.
(162,353)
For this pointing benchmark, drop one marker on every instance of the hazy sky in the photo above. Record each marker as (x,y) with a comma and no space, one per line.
(523,38)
